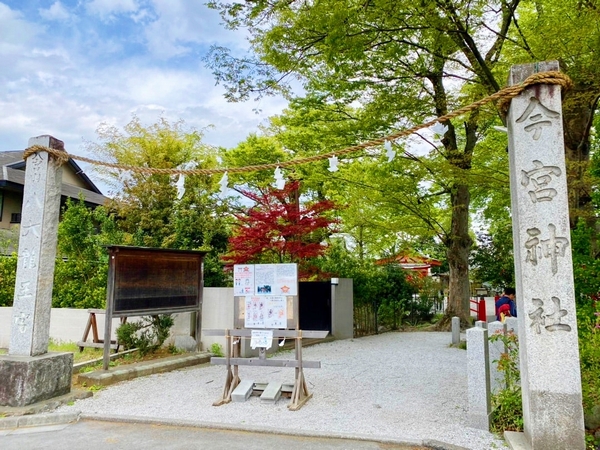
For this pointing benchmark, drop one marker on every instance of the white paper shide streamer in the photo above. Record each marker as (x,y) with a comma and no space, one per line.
(439,129)
(389,152)
(223,183)
(333,164)
(180,187)
(279,180)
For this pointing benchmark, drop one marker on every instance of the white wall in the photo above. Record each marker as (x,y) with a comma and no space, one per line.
(68,325)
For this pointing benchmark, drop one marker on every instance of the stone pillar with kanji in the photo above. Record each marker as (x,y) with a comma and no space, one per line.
(548,343)
(29,373)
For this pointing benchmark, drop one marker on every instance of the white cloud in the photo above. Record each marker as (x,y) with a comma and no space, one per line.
(56,12)
(181,24)
(14,30)
(108,9)
(67,80)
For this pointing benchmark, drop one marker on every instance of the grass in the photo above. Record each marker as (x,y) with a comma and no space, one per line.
(87,354)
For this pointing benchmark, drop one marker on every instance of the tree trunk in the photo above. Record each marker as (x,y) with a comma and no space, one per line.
(459,245)
(578,111)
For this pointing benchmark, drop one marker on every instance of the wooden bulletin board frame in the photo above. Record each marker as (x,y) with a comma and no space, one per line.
(151,281)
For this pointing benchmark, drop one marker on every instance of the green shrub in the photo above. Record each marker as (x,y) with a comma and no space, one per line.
(8,277)
(507,406)
(588,320)
(216,349)
(147,335)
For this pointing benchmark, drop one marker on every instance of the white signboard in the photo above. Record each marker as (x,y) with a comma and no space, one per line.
(261,338)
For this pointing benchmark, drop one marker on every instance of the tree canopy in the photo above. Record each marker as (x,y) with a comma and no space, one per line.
(278,228)
(402,63)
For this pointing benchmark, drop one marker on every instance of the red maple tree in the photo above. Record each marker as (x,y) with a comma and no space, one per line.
(278,229)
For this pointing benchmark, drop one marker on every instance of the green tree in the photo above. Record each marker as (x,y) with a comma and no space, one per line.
(162,210)
(396,297)
(82,261)
(402,61)
(310,126)
(492,260)
(254,150)
(9,240)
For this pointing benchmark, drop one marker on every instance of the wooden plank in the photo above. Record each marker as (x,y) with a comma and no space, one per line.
(95,337)
(265,362)
(285,387)
(95,345)
(299,404)
(313,334)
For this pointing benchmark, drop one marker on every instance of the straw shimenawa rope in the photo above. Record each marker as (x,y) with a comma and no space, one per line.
(503,96)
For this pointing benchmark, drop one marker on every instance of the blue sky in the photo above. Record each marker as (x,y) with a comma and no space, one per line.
(68,66)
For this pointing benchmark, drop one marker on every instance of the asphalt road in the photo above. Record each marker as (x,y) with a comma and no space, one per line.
(97,435)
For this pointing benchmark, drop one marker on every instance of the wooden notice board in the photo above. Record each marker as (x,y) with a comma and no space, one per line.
(151,281)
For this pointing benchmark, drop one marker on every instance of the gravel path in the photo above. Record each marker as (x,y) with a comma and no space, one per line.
(393,386)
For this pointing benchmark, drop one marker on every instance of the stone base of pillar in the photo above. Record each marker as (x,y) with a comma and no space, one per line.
(30,379)
(516,440)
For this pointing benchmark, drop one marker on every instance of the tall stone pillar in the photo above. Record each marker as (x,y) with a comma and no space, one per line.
(30,373)
(548,344)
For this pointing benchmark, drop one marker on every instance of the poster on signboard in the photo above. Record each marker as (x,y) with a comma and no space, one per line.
(265,312)
(243,279)
(255,312)
(276,279)
(276,314)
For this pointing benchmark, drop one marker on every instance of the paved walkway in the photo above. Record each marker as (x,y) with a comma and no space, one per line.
(408,393)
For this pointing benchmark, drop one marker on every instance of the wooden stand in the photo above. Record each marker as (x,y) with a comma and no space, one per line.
(300,394)
(92,325)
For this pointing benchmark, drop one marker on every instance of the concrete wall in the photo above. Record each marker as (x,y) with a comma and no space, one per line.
(342,309)
(217,313)
(68,325)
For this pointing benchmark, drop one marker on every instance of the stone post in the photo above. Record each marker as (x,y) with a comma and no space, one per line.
(548,345)
(31,374)
(455,330)
(496,349)
(478,376)
(512,325)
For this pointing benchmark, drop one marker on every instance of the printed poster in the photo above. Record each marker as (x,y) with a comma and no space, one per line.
(243,279)
(265,312)
(276,279)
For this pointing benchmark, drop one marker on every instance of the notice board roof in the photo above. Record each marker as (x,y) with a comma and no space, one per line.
(127,248)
